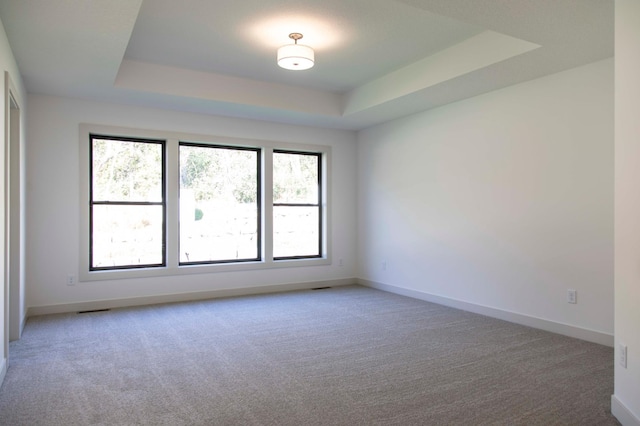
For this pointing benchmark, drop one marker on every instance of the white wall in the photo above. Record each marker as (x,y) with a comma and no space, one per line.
(53,199)
(7,63)
(504,200)
(626,399)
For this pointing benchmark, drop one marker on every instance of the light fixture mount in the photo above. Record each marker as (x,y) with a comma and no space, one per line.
(295,37)
(296,56)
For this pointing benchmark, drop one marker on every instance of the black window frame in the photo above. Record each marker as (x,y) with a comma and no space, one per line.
(163,203)
(319,205)
(258,152)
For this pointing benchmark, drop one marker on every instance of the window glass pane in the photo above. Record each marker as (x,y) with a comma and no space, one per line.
(295,178)
(127,236)
(218,204)
(126,171)
(295,231)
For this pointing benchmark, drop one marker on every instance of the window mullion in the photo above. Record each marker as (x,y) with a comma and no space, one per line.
(172,225)
(267,205)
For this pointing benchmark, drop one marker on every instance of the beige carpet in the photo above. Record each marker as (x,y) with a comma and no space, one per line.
(342,356)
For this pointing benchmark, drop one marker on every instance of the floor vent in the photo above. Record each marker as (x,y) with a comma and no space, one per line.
(320,288)
(95,310)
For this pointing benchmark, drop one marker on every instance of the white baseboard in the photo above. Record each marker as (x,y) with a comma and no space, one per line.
(181,297)
(3,369)
(543,324)
(622,413)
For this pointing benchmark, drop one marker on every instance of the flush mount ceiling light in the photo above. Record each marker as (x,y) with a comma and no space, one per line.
(295,56)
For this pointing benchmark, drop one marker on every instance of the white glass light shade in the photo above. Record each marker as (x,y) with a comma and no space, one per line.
(295,57)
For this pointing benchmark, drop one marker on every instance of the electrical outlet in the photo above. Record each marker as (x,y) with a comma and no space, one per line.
(622,355)
(384,265)
(572,296)
(340,263)
(71,279)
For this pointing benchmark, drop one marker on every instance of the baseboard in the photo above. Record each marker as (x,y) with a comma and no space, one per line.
(182,297)
(3,370)
(543,324)
(622,413)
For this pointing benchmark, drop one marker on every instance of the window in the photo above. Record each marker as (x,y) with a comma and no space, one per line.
(164,203)
(297,205)
(127,203)
(219,204)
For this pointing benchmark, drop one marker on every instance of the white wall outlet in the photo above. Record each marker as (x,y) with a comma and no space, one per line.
(340,263)
(622,355)
(384,265)
(71,279)
(572,296)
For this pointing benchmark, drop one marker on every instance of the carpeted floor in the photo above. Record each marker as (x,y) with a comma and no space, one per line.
(341,356)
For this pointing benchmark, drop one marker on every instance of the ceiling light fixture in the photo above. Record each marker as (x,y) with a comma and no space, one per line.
(295,56)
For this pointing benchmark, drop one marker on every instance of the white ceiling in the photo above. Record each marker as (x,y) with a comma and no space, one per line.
(375,59)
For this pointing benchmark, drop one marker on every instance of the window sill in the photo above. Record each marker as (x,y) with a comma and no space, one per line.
(199,269)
